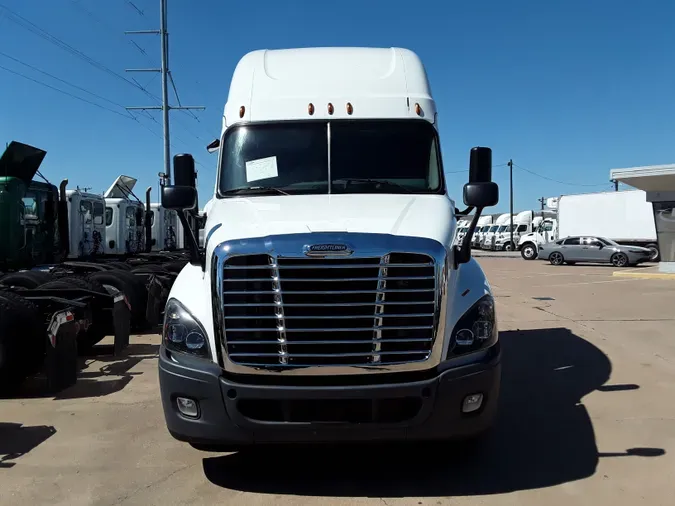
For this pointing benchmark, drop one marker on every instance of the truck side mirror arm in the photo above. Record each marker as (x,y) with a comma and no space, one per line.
(197,254)
(480,192)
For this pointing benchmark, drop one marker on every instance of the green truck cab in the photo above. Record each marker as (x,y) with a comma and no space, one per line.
(29,211)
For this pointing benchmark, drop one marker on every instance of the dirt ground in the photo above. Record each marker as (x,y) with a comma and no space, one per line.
(587,417)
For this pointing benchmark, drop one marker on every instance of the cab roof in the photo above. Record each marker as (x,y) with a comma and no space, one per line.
(274,85)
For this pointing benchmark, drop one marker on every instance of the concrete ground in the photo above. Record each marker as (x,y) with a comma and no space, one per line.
(587,417)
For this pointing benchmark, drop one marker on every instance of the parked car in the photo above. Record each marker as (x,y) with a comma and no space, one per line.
(590,249)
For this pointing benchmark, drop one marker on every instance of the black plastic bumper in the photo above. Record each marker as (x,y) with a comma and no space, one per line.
(436,405)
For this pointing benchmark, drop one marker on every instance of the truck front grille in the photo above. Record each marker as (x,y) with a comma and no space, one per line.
(303,312)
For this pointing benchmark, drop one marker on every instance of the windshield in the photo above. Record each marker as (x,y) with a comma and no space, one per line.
(493,228)
(365,157)
(607,242)
(501,228)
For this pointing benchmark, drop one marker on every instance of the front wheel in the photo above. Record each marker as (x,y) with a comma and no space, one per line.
(508,246)
(556,258)
(619,260)
(528,251)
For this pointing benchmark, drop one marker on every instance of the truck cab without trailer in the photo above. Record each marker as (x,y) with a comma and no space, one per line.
(328,302)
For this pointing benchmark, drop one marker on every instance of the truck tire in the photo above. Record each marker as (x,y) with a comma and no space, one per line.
(528,251)
(22,343)
(129,285)
(656,254)
(97,331)
(25,279)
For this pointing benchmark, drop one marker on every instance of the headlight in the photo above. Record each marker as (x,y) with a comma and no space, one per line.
(182,332)
(475,330)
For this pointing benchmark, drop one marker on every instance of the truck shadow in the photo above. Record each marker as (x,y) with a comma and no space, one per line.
(543,437)
(17,439)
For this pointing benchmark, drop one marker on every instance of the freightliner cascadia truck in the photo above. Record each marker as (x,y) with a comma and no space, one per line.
(327,302)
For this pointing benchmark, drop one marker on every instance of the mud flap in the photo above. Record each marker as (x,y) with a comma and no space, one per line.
(157,294)
(61,357)
(121,323)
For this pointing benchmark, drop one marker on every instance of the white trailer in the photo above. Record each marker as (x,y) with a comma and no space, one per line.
(625,217)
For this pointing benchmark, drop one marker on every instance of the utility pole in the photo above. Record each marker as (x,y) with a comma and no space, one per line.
(166,75)
(510,164)
(542,201)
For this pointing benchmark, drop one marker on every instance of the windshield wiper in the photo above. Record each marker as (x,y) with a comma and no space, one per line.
(389,184)
(254,189)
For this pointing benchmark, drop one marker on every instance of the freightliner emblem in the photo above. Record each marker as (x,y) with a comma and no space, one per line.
(322,250)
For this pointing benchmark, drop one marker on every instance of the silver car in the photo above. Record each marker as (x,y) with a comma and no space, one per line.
(571,250)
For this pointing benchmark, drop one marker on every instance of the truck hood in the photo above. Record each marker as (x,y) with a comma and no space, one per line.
(430,216)
(21,161)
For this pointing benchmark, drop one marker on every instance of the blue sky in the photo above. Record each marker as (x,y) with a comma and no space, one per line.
(566,89)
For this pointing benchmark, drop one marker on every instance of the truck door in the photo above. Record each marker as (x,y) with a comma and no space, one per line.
(98,233)
(86,245)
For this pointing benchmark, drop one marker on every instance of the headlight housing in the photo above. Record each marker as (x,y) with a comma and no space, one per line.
(182,332)
(476,329)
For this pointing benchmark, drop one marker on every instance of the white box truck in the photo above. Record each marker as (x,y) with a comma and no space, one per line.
(625,217)
(328,302)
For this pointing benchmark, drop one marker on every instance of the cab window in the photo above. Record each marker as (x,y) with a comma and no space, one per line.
(98,213)
(108,216)
(86,211)
(131,217)
(30,206)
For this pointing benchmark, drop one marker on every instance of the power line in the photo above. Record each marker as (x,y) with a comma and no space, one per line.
(61,80)
(40,32)
(556,180)
(103,23)
(133,6)
(36,30)
(128,116)
(459,171)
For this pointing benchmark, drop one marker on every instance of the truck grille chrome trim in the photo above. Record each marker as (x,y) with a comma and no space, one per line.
(278,311)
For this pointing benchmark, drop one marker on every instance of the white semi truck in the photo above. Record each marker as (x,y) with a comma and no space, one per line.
(524,222)
(484,224)
(487,239)
(625,217)
(328,302)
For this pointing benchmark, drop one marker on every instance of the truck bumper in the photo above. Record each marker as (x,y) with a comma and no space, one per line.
(238,414)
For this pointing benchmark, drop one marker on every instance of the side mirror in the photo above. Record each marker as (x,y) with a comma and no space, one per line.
(480,191)
(179,198)
(184,170)
(213,146)
(481,194)
(480,165)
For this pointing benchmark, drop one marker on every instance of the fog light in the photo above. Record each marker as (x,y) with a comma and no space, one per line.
(188,407)
(472,402)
